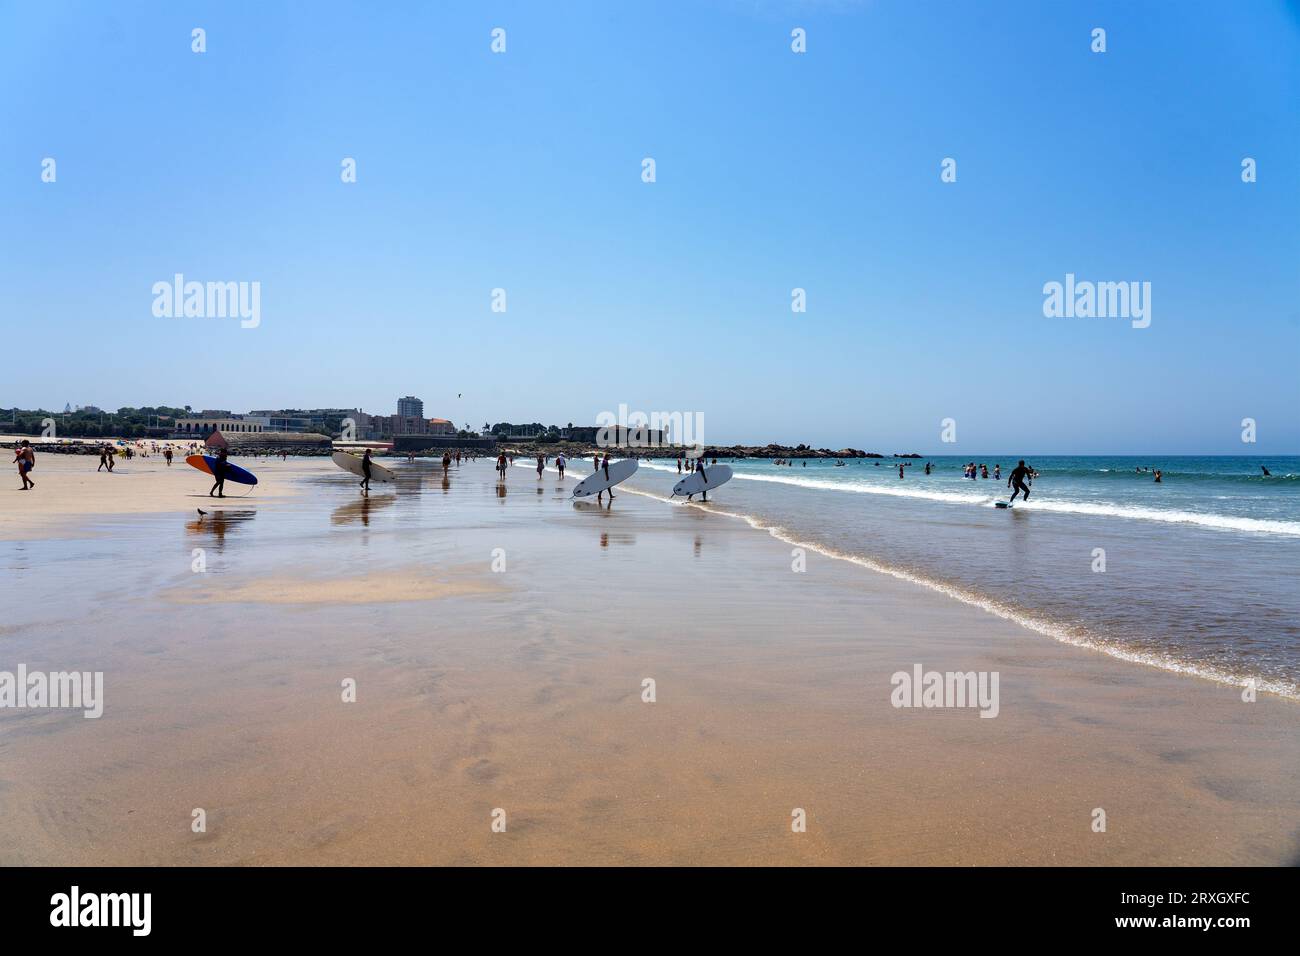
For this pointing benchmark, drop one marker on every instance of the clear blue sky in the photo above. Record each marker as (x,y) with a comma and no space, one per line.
(775,170)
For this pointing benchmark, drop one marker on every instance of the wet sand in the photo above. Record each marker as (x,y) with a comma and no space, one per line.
(521,689)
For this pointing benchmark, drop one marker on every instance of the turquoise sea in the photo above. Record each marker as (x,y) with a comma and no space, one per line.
(1198,573)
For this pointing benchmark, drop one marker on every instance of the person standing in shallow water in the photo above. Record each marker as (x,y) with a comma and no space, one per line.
(1017,478)
(699,466)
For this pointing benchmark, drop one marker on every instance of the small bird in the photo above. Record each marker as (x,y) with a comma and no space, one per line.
(201,512)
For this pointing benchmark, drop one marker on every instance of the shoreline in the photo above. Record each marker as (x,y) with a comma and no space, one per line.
(773,693)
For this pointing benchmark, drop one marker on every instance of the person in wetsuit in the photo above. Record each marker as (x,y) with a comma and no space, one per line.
(1017,480)
(365,473)
(219,473)
(699,466)
(604,465)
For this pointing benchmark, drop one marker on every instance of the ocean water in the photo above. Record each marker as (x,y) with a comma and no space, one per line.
(1201,572)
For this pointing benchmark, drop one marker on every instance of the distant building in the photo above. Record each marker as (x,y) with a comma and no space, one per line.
(389,426)
(410,407)
(204,426)
(322,420)
(281,423)
(441,428)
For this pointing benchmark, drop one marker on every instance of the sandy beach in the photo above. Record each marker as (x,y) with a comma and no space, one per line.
(520,689)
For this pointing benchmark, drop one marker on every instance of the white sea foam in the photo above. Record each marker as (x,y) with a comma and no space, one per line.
(1059,506)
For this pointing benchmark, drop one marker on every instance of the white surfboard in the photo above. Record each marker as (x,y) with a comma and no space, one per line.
(597,482)
(352,463)
(695,484)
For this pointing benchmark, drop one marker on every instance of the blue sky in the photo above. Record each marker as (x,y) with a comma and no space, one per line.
(774,171)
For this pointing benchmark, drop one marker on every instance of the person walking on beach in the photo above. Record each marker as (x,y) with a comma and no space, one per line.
(103,459)
(446,463)
(541,464)
(365,473)
(679,464)
(559,463)
(501,465)
(605,465)
(219,472)
(167,453)
(25,456)
(1017,479)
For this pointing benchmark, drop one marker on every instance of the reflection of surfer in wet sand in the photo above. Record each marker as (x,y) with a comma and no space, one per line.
(1017,480)
(219,472)
(365,473)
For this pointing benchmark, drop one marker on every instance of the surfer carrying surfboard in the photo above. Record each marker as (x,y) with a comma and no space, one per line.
(219,473)
(365,473)
(605,466)
(699,469)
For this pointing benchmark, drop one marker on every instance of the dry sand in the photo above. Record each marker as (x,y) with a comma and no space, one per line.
(523,692)
(70,490)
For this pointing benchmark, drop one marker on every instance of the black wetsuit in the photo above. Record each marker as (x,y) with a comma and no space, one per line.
(1017,480)
(219,473)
